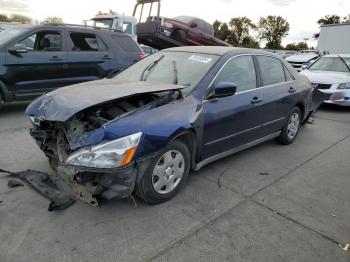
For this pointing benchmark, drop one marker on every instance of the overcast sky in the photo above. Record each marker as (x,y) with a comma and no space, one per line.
(301,14)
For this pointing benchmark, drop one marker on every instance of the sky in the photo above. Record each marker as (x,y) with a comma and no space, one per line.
(301,14)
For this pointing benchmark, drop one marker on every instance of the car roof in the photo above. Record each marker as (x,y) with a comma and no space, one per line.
(336,55)
(216,50)
(90,29)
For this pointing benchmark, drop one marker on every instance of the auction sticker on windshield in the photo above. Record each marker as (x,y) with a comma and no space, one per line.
(201,59)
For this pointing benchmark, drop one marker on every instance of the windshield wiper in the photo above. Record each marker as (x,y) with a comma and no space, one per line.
(150,67)
(346,64)
(176,80)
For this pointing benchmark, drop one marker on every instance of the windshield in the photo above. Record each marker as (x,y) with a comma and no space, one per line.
(105,23)
(331,64)
(182,68)
(184,19)
(7,33)
(127,27)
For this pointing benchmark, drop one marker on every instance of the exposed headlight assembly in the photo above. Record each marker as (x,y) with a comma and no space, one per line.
(112,154)
(344,86)
(35,120)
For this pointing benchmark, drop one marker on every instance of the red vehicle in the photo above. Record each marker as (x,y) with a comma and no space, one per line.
(160,32)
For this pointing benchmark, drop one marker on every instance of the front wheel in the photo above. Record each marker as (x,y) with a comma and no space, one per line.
(291,128)
(166,174)
(179,35)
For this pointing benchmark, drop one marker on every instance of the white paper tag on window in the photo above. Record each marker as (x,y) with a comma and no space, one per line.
(201,59)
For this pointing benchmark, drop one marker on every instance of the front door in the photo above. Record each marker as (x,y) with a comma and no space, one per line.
(40,68)
(234,120)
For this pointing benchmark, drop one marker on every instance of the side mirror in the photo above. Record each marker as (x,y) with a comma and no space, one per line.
(18,49)
(224,89)
(194,24)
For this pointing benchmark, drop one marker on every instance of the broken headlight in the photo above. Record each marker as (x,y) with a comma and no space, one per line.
(112,154)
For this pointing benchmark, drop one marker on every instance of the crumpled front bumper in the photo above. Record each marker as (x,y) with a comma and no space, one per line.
(89,184)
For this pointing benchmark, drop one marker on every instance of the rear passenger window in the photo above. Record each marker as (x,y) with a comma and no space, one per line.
(239,70)
(272,71)
(86,42)
(126,43)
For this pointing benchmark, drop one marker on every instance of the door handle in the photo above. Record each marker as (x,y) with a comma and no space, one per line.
(256,100)
(292,90)
(55,58)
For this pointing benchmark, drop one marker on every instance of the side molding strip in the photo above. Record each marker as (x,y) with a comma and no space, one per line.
(235,150)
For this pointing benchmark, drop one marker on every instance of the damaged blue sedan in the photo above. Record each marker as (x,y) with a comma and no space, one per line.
(143,130)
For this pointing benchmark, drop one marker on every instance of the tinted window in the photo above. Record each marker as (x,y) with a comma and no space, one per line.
(239,70)
(272,71)
(41,41)
(126,43)
(86,42)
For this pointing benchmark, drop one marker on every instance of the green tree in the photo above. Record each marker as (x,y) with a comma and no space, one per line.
(297,46)
(221,30)
(329,19)
(20,19)
(250,42)
(346,19)
(239,30)
(3,18)
(272,30)
(53,20)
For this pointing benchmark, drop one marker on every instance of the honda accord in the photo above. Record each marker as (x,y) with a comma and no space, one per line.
(180,109)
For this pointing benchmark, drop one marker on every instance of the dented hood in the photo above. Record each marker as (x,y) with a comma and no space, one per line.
(63,103)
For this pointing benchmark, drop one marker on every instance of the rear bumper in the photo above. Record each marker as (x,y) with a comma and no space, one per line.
(89,184)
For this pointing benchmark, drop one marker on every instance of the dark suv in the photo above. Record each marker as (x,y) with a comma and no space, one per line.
(38,59)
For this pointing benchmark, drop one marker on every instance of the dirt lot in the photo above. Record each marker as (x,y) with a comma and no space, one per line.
(269,203)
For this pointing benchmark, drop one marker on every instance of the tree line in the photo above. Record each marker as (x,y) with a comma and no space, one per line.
(271,29)
(16,18)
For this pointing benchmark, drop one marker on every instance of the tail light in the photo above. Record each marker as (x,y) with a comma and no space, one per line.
(142,55)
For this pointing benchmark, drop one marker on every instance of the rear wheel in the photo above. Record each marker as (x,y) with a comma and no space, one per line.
(166,174)
(291,128)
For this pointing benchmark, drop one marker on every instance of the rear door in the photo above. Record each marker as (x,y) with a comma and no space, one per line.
(234,120)
(89,57)
(280,92)
(41,68)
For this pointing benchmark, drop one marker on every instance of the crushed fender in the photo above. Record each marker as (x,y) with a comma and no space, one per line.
(42,183)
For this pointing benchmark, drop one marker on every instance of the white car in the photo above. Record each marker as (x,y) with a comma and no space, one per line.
(302,59)
(331,75)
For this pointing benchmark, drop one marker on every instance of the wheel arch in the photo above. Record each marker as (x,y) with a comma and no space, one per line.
(189,138)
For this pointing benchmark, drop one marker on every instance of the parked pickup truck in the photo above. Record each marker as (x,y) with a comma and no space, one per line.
(161,32)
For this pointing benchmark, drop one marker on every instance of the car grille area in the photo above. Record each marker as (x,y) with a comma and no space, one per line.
(321,86)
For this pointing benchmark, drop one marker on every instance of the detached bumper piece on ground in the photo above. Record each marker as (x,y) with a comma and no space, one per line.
(42,183)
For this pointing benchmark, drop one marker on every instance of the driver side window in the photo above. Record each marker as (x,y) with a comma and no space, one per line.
(41,41)
(239,70)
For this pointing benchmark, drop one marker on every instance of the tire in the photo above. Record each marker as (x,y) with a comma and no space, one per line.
(163,180)
(54,162)
(291,128)
(179,35)
(2,102)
